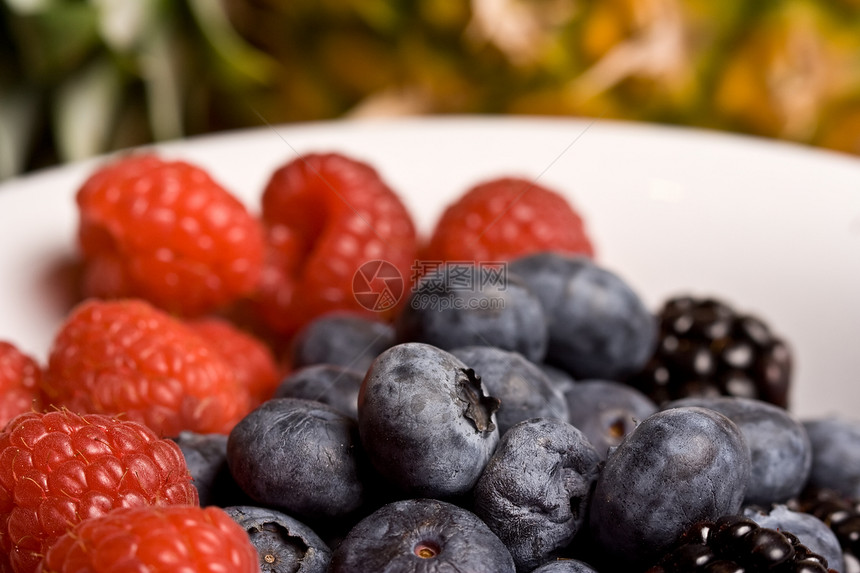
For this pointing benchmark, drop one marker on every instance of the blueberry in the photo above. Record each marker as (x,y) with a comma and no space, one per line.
(675,468)
(284,544)
(299,456)
(812,532)
(341,338)
(330,384)
(559,378)
(565,566)
(598,326)
(606,411)
(421,536)
(535,490)
(426,420)
(835,455)
(779,446)
(523,389)
(445,312)
(206,458)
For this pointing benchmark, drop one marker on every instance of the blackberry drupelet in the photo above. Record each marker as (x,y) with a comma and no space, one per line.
(736,544)
(707,348)
(841,514)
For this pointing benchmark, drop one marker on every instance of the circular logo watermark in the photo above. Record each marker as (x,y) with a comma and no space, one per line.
(377,285)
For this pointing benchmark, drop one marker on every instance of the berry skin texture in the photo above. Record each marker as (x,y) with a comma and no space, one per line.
(565,566)
(426,421)
(128,357)
(19,383)
(284,544)
(506,218)
(599,327)
(447,313)
(677,467)
(706,347)
(780,449)
(182,538)
(342,339)
(842,515)
(326,215)
(812,532)
(421,536)
(535,491)
(251,360)
(206,458)
(327,383)
(835,454)
(59,468)
(300,456)
(734,543)
(606,411)
(166,232)
(523,389)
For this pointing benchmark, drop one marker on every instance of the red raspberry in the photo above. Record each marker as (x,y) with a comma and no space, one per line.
(19,383)
(506,218)
(59,468)
(166,232)
(128,357)
(327,215)
(155,540)
(252,361)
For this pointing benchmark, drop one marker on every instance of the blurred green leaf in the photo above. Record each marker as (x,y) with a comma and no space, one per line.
(124,24)
(29,6)
(84,110)
(241,57)
(162,79)
(17,125)
(57,41)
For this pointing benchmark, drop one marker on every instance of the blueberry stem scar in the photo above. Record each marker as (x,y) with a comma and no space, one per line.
(479,407)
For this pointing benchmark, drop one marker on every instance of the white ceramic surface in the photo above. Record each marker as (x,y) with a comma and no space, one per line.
(772,228)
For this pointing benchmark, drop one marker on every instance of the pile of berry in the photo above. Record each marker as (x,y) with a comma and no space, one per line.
(316,388)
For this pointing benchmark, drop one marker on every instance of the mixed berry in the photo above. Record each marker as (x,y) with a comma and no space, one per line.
(707,348)
(737,543)
(317,388)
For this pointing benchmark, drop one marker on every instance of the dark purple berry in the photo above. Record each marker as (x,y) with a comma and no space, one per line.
(330,384)
(284,544)
(341,338)
(706,348)
(737,544)
(599,327)
(841,514)
(426,421)
(764,548)
(418,536)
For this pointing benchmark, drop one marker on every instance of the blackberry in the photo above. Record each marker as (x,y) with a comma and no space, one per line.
(736,544)
(841,514)
(707,348)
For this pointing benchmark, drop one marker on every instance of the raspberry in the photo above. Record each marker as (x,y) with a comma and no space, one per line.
(128,357)
(251,360)
(59,468)
(19,383)
(189,539)
(166,232)
(507,218)
(326,216)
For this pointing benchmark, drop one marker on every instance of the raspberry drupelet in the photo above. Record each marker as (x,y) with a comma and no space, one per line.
(167,232)
(126,357)
(59,468)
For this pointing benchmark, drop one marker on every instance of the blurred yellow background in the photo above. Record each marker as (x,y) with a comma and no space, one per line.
(83,77)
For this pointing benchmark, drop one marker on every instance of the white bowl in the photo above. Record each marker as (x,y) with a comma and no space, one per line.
(772,228)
